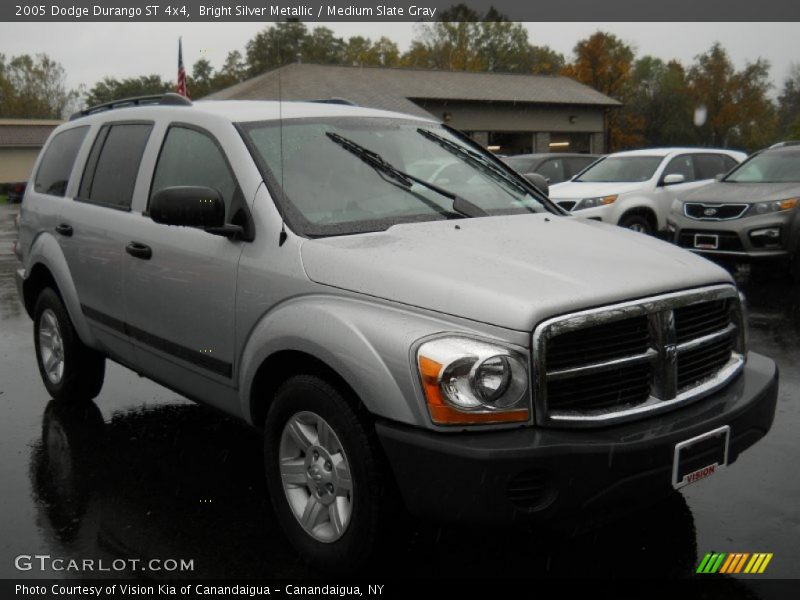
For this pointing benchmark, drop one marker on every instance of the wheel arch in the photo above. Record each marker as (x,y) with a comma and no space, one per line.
(643,211)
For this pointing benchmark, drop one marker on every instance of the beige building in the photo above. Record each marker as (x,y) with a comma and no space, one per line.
(510,114)
(20,143)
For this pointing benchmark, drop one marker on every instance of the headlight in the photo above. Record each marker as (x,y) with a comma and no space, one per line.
(468,381)
(765,208)
(595,202)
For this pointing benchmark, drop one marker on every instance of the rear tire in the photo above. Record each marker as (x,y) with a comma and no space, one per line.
(325,475)
(636,223)
(70,370)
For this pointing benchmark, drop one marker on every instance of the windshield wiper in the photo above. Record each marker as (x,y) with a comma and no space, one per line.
(377,162)
(473,158)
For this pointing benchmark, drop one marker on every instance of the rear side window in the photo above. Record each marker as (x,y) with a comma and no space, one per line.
(113,164)
(708,166)
(192,158)
(59,158)
(576,165)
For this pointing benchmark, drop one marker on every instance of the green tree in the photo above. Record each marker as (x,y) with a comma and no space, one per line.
(659,95)
(789,106)
(739,111)
(110,89)
(201,82)
(33,87)
(275,46)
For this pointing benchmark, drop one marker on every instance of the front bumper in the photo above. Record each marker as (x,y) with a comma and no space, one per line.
(735,236)
(564,475)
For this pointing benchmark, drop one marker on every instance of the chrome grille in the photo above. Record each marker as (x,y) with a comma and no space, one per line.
(614,363)
(714,212)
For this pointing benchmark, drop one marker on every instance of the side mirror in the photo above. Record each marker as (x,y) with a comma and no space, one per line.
(719,176)
(188,206)
(673,178)
(539,181)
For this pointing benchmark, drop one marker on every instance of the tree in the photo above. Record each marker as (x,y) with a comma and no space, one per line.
(275,46)
(739,111)
(604,62)
(110,89)
(363,52)
(33,87)
(659,95)
(788,117)
(201,82)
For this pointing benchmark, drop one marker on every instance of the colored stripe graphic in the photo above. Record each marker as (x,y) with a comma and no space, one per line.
(734,562)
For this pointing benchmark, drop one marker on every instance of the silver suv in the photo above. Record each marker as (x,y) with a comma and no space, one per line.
(464,346)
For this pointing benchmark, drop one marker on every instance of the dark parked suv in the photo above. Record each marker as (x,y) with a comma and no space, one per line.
(750,214)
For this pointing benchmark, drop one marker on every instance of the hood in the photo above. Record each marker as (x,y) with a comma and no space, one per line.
(573,190)
(509,271)
(742,193)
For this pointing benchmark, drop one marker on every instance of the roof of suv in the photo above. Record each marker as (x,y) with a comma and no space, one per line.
(668,151)
(239,111)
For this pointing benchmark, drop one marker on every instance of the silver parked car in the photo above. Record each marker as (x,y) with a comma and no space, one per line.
(464,349)
(751,214)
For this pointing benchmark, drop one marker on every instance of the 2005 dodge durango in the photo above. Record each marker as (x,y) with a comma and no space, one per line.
(401,315)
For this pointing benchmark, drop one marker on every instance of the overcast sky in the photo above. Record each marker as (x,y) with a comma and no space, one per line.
(90,51)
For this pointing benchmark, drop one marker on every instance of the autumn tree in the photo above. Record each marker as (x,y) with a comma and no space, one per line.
(739,111)
(604,62)
(33,87)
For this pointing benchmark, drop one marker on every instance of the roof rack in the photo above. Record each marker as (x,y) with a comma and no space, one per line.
(785,144)
(334,100)
(169,99)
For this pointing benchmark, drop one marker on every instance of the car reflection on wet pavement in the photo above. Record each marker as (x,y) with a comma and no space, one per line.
(143,473)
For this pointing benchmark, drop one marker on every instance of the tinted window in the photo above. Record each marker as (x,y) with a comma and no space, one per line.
(729,162)
(113,164)
(189,157)
(708,166)
(681,165)
(56,166)
(552,169)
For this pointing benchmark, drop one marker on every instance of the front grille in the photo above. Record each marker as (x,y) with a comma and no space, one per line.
(695,366)
(697,320)
(728,240)
(714,212)
(613,363)
(616,389)
(598,343)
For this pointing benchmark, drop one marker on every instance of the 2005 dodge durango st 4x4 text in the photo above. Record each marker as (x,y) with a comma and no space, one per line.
(454,340)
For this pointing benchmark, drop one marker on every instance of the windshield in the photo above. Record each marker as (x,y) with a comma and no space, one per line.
(621,169)
(327,190)
(768,168)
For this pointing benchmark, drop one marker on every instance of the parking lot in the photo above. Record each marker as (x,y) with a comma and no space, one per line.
(143,473)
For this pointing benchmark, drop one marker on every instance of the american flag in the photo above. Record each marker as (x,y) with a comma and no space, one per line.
(181,88)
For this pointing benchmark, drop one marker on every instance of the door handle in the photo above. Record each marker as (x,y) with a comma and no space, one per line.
(138,250)
(64,229)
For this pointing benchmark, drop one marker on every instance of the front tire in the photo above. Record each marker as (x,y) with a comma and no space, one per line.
(70,370)
(636,223)
(324,474)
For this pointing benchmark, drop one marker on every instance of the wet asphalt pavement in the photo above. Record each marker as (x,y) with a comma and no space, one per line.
(141,472)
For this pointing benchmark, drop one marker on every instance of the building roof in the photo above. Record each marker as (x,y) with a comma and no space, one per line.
(25,132)
(396,89)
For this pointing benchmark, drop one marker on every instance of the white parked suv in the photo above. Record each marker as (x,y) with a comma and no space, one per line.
(635,189)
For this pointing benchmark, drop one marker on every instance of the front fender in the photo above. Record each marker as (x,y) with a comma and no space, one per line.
(45,251)
(367,343)
(624,205)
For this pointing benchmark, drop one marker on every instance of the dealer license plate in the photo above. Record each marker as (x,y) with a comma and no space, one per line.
(706,241)
(700,457)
